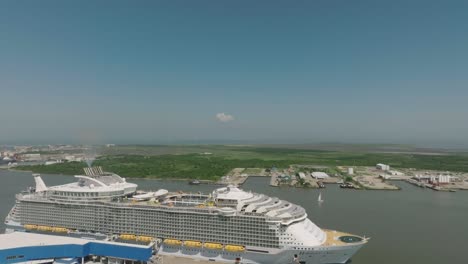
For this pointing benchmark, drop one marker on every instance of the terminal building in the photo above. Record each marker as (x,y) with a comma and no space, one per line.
(381,166)
(31,248)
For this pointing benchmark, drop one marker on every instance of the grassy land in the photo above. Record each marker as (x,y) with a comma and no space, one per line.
(252,171)
(188,166)
(181,164)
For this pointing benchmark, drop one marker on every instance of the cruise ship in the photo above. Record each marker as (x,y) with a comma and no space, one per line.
(227,225)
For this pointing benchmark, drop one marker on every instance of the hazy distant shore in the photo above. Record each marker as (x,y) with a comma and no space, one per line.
(210,162)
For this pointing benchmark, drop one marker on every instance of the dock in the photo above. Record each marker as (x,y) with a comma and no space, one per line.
(239,176)
(375,183)
(236,180)
(431,186)
(274,180)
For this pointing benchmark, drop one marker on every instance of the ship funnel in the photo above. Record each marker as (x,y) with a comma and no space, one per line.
(40,185)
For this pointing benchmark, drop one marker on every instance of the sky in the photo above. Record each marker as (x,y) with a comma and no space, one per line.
(174,71)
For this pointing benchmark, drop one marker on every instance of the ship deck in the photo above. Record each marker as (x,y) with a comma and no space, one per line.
(338,238)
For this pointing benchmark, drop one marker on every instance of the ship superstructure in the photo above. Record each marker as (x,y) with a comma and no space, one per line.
(225,225)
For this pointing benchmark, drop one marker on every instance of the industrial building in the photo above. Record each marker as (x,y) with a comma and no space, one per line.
(441,179)
(301,175)
(31,157)
(436,179)
(383,167)
(22,247)
(319,175)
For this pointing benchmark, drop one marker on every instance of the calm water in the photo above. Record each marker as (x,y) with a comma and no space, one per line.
(409,226)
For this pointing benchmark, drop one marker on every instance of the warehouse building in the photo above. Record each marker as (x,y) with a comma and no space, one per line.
(319,175)
(22,247)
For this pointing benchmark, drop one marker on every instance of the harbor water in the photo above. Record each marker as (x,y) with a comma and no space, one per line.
(413,225)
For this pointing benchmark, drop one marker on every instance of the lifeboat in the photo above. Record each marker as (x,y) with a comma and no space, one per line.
(30,227)
(145,238)
(213,245)
(44,228)
(189,243)
(128,237)
(172,242)
(59,229)
(234,248)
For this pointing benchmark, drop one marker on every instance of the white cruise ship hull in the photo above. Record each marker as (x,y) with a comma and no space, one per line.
(319,255)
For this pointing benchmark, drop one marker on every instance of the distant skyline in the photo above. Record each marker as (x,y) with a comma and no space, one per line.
(164,72)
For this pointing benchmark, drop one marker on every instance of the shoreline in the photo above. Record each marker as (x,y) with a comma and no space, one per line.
(241,180)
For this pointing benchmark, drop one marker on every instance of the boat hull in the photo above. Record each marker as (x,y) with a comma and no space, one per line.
(318,255)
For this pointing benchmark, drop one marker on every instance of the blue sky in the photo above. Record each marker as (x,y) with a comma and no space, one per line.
(286,71)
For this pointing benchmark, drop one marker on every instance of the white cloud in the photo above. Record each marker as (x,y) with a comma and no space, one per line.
(224,117)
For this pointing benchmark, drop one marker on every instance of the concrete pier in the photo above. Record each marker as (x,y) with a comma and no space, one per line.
(274,180)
